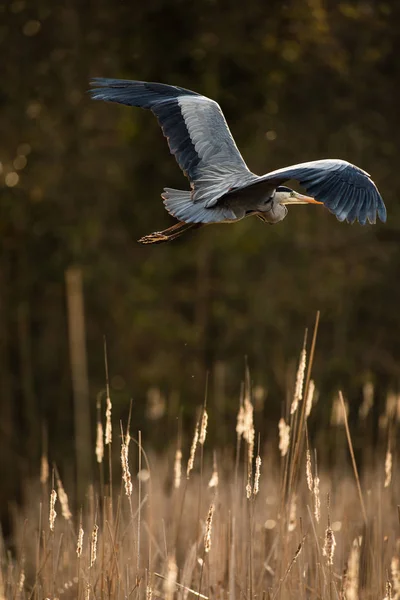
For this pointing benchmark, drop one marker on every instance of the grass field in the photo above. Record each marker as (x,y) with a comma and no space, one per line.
(272,519)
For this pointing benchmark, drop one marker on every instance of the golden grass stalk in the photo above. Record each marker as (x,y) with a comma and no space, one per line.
(290,566)
(388,468)
(256,486)
(193,448)
(178,469)
(52,512)
(149,592)
(186,590)
(310,397)
(63,498)
(203,428)
(298,391)
(188,569)
(284,436)
(126,474)
(207,535)
(79,544)
(292,469)
(93,545)
(87,591)
(353,460)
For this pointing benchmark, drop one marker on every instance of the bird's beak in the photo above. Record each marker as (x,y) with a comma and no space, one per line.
(300,199)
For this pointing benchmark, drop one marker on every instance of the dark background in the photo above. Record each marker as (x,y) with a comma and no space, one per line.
(80,183)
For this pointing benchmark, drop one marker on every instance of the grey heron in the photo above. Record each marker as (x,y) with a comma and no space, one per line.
(223,189)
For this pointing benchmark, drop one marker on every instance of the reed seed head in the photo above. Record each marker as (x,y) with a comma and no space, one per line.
(99,442)
(248,487)
(284,436)
(292,513)
(317,499)
(388,468)
(353,571)
(240,422)
(2,588)
(44,469)
(52,513)
(368,400)
(214,477)
(93,545)
(79,544)
(62,496)
(310,398)
(21,580)
(337,416)
(207,535)
(248,422)
(203,428)
(329,545)
(309,476)
(388,590)
(248,428)
(395,572)
(178,469)
(298,391)
(170,580)
(108,434)
(193,448)
(256,487)
(126,474)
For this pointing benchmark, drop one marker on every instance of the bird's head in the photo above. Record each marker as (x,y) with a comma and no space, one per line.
(284,195)
(274,209)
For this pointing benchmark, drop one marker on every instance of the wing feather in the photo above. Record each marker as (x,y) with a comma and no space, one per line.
(346,190)
(195,127)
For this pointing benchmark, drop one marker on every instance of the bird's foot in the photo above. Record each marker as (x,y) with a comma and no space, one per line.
(167,235)
(154,238)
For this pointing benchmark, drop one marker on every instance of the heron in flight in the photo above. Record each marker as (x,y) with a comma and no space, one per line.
(223,189)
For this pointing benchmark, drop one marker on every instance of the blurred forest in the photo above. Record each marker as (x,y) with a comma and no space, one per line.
(81,182)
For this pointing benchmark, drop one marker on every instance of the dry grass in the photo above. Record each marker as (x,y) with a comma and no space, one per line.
(278,526)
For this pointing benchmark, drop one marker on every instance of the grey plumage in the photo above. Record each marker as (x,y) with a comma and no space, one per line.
(223,189)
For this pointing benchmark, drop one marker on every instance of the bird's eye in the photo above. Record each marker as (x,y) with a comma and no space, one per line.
(292,194)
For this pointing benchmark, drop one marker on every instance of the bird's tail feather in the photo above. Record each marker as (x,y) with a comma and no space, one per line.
(179,204)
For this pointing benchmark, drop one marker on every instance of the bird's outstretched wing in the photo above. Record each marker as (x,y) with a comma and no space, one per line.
(346,190)
(197,133)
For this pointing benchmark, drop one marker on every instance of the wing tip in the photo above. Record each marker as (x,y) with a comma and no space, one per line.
(382,212)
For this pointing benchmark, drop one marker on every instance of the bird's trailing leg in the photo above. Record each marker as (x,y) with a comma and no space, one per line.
(167,235)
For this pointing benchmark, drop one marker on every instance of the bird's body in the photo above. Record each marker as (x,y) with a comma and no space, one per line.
(223,189)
